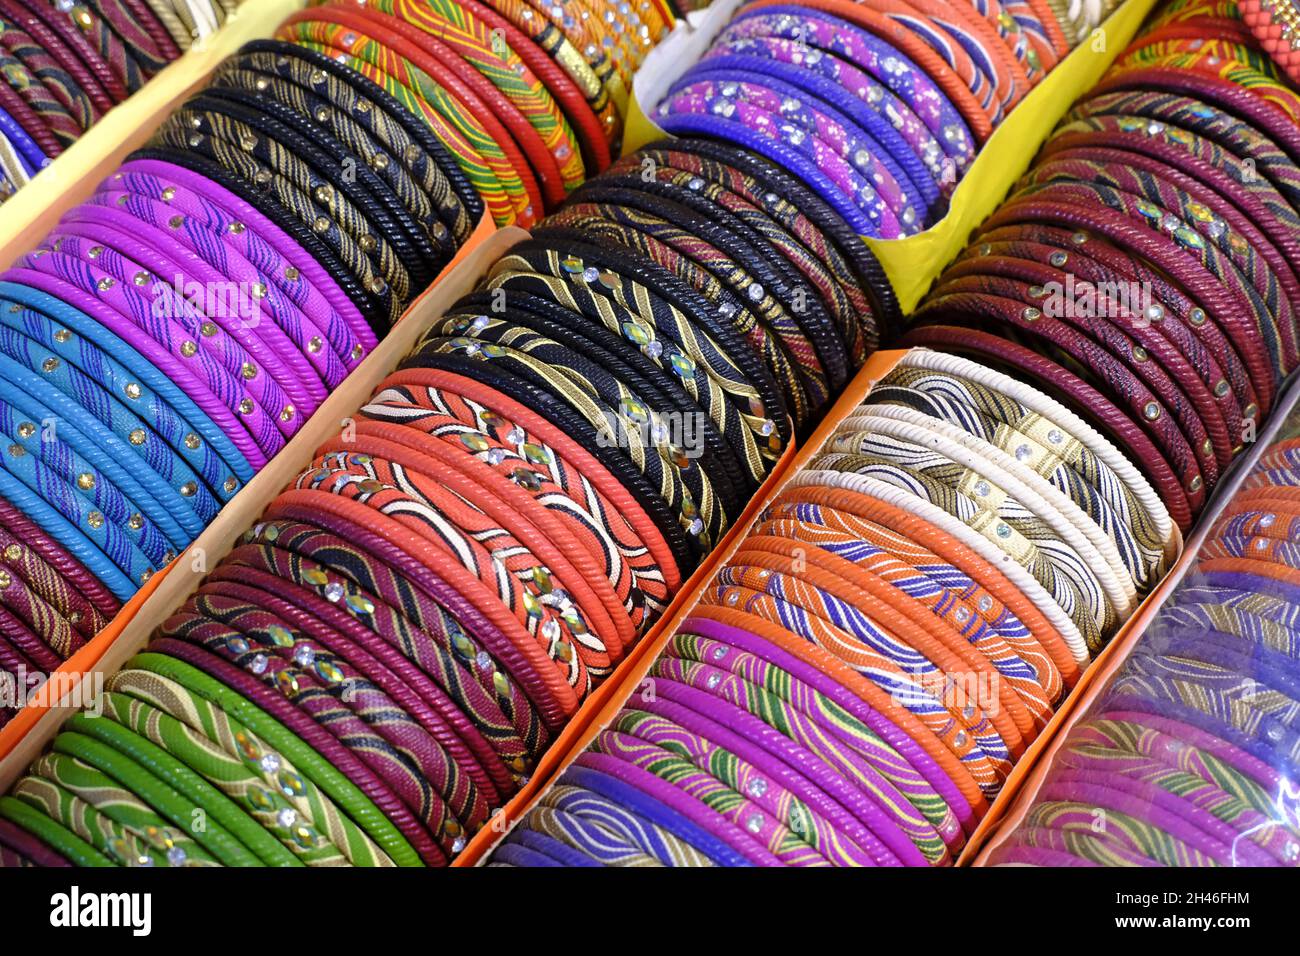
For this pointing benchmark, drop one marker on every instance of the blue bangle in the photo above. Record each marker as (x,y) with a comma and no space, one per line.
(141,371)
(717,128)
(66,534)
(61,493)
(515,854)
(146,436)
(87,439)
(898,155)
(549,846)
(639,806)
(31,155)
(59,472)
(865,126)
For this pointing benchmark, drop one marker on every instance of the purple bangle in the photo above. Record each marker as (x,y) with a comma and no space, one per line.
(1011,853)
(916,757)
(83,252)
(638,803)
(1139,701)
(825,33)
(516,854)
(696,677)
(896,193)
(1237,850)
(705,99)
(328,351)
(281,264)
(225,208)
(856,84)
(1178,735)
(1190,847)
(265,342)
(750,739)
(690,808)
(155,354)
(168,331)
(564,854)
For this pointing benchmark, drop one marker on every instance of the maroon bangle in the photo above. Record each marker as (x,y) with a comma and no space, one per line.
(1241,242)
(312,734)
(60,560)
(379,663)
(35,613)
(1182,162)
(32,124)
(80,48)
(1169,309)
(1076,394)
(294,603)
(1128,340)
(1153,246)
(391,552)
(429,774)
(308,584)
(1227,96)
(1259,323)
(20,841)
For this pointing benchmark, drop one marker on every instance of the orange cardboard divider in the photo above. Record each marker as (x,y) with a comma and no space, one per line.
(26,735)
(1027,779)
(602,706)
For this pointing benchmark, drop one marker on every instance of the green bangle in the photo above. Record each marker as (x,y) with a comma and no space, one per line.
(102,810)
(360,808)
(59,838)
(186,782)
(103,833)
(246,803)
(142,803)
(286,802)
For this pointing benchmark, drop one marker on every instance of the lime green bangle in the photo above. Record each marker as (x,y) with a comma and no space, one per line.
(121,789)
(185,781)
(103,833)
(287,803)
(56,836)
(339,788)
(245,799)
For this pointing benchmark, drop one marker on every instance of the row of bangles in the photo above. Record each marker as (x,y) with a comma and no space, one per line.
(384,658)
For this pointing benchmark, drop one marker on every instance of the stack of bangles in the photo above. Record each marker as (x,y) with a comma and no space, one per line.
(898,626)
(65,64)
(878,105)
(380,662)
(178,328)
(1146,266)
(1190,754)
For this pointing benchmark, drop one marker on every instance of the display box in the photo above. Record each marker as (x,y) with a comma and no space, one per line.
(1027,779)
